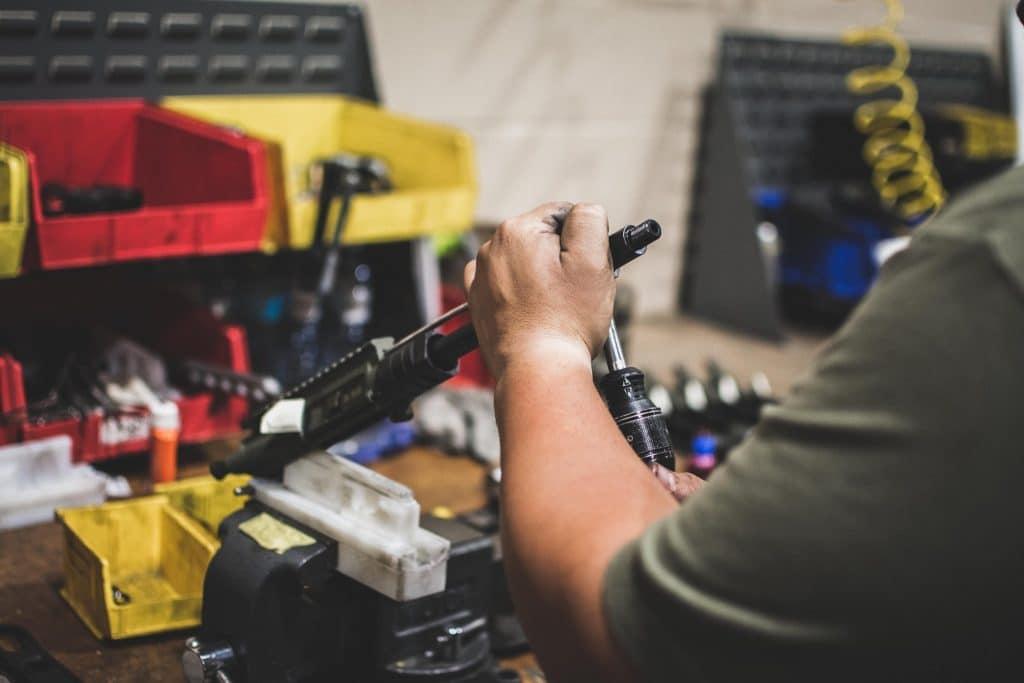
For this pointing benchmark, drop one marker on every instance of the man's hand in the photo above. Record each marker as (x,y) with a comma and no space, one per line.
(573,492)
(545,284)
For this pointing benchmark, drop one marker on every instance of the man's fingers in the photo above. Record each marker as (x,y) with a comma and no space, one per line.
(680,484)
(585,232)
(551,214)
(469,274)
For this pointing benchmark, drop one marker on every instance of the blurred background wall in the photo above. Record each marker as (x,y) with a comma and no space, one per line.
(599,99)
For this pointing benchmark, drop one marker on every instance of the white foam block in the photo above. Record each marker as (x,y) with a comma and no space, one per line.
(36,477)
(374,519)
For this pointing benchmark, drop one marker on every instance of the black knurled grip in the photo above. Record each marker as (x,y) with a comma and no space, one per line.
(639,420)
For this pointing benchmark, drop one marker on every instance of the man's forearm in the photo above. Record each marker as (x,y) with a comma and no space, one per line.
(574,493)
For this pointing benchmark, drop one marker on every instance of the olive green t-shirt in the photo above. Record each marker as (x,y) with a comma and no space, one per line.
(871,528)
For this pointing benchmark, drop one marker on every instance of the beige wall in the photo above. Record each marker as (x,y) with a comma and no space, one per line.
(597,99)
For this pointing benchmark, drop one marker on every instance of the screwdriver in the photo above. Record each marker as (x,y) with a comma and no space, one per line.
(624,387)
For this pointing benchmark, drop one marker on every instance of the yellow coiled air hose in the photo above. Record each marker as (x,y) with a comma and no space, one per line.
(902,168)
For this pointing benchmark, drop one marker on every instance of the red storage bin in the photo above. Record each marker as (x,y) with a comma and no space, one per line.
(12,399)
(32,431)
(204,187)
(110,435)
(204,415)
(182,331)
(12,391)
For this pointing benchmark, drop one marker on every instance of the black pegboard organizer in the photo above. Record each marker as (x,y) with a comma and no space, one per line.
(774,86)
(756,132)
(73,49)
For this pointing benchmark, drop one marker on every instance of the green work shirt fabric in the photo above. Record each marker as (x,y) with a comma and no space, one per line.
(871,527)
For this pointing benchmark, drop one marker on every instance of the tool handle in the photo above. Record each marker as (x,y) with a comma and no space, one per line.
(639,420)
(632,241)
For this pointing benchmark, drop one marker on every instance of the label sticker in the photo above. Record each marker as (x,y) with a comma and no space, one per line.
(273,534)
(122,428)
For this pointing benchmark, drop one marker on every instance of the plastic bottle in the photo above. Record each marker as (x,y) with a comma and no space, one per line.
(166,429)
(703,457)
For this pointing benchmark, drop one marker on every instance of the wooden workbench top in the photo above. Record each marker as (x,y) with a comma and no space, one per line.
(31,573)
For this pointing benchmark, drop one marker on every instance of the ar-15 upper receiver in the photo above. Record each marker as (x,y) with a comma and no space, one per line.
(378,380)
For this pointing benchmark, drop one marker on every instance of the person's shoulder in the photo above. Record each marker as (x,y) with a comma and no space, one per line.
(988,206)
(989,216)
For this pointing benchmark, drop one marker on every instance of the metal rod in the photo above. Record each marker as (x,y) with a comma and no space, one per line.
(457,311)
(613,349)
(329,271)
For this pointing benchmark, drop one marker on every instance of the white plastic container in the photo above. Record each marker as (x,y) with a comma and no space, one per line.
(37,476)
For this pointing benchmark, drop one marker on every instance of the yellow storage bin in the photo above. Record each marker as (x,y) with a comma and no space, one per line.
(135,567)
(13,208)
(432,166)
(205,499)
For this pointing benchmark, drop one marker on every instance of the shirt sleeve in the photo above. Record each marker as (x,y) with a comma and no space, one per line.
(867,523)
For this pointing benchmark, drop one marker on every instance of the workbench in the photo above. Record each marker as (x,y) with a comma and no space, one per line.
(31,558)
(31,572)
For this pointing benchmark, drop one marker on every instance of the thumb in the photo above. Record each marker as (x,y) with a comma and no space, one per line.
(585,232)
(680,484)
(469,274)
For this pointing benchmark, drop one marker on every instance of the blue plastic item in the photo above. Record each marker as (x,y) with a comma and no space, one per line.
(375,442)
(770,198)
(836,265)
(703,443)
(840,267)
(703,454)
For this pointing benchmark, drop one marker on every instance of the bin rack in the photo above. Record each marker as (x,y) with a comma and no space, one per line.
(432,166)
(204,416)
(13,208)
(153,554)
(218,206)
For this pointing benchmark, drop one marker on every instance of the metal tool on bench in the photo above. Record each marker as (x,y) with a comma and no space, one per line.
(344,176)
(313,343)
(328,570)
(710,418)
(196,375)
